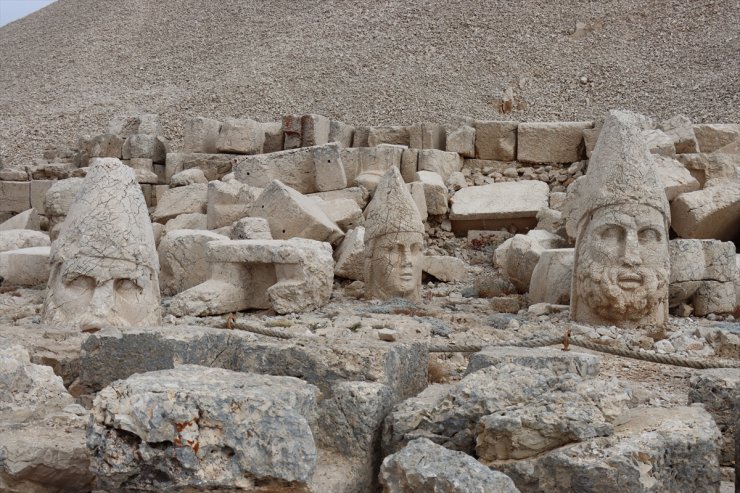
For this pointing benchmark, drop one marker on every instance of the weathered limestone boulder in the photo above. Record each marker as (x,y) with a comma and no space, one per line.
(444,268)
(292,131)
(199,427)
(498,205)
(214,166)
(680,129)
(183,259)
(349,258)
(425,466)
(186,177)
(366,165)
(659,142)
(390,134)
(711,137)
(292,214)
(25,220)
(551,277)
(360,195)
(201,135)
(435,192)
(710,169)
(344,212)
(314,130)
(554,360)
(181,200)
(444,163)
(187,221)
(551,142)
(289,276)
(717,390)
(518,256)
(16,196)
(418,194)
(274,137)
(144,171)
(25,266)
(341,133)
(58,199)
(652,449)
(143,123)
(251,228)
(240,137)
(15,239)
(462,141)
(552,220)
(229,202)
(427,136)
(496,140)
(104,145)
(713,212)
(674,176)
(145,146)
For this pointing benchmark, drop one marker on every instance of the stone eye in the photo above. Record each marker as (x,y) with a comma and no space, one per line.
(126,285)
(81,283)
(613,233)
(648,234)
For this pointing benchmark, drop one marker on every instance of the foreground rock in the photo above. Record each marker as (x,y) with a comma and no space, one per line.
(717,389)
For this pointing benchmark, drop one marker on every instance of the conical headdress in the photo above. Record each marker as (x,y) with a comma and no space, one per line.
(392,209)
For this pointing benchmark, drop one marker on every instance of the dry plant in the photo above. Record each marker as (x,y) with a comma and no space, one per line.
(436,372)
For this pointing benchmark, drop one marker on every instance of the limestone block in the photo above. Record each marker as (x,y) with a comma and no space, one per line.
(314,130)
(496,140)
(416,189)
(554,360)
(251,228)
(518,256)
(349,257)
(360,195)
(183,259)
(551,142)
(425,466)
(717,389)
(274,138)
(218,427)
(13,174)
(714,297)
(341,133)
(214,166)
(200,135)
(376,160)
(710,169)
(15,196)
(557,199)
(240,137)
(106,145)
(292,131)
(158,231)
(360,138)
(145,146)
(329,169)
(435,192)
(25,266)
(680,129)
(590,136)
(188,177)
(181,200)
(57,201)
(489,207)
(229,202)
(659,142)
(700,260)
(15,239)
(553,221)
(711,137)
(713,212)
(187,221)
(25,220)
(146,177)
(397,135)
(444,163)
(409,164)
(127,125)
(462,141)
(675,177)
(427,136)
(291,214)
(551,277)
(444,268)
(344,212)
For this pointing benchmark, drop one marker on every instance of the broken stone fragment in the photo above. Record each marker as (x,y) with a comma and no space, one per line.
(496,140)
(181,200)
(444,268)
(551,277)
(25,266)
(551,142)
(435,192)
(674,176)
(29,220)
(711,137)
(350,256)
(15,239)
(201,135)
(680,129)
(427,136)
(229,202)
(183,258)
(214,166)
(240,137)
(713,212)
(717,389)
(251,228)
(188,177)
(341,133)
(145,146)
(518,256)
(57,201)
(444,163)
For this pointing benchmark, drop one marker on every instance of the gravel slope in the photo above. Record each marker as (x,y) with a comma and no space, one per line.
(68,68)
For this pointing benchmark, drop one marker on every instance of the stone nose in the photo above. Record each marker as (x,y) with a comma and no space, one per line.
(103,300)
(631,254)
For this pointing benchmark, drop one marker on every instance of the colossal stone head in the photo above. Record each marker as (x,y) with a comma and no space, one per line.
(619,216)
(394,241)
(105,269)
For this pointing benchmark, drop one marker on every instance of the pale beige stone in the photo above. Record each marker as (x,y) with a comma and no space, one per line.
(518,256)
(361,136)
(105,145)
(349,258)
(394,241)
(344,212)
(25,220)
(397,135)
(244,136)
(444,268)
(16,196)
(710,169)
(143,123)
(680,129)
(551,142)
(409,164)
(713,212)
(360,195)
(370,160)
(341,133)
(38,194)
(14,239)
(25,266)
(229,202)
(496,140)
(659,142)
(416,189)
(187,221)
(181,200)
(214,166)
(274,137)
(145,146)
(435,192)
(551,277)
(183,258)
(57,202)
(314,130)
(292,130)
(674,176)
(104,265)
(427,136)
(711,137)
(462,141)
(188,177)
(251,228)
(444,163)
(201,135)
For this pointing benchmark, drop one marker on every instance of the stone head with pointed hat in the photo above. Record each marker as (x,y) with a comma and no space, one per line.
(394,241)
(105,269)
(619,216)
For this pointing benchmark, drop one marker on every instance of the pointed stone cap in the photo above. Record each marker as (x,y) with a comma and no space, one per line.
(392,209)
(108,221)
(621,171)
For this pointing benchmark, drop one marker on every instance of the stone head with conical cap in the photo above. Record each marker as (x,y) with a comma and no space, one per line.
(619,216)
(394,241)
(105,269)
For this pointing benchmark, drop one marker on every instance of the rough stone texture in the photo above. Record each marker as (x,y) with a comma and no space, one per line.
(557,361)
(229,202)
(145,146)
(341,133)
(713,212)
(409,164)
(25,220)
(713,136)
(314,130)
(462,141)
(186,177)
(680,129)
(444,268)
(214,166)
(187,221)
(201,135)
(251,228)
(490,207)
(15,239)
(496,140)
(105,145)
(291,215)
(417,191)
(349,258)
(25,266)
(552,276)
(38,194)
(274,137)
(199,427)
(240,137)
(345,213)
(427,136)
(551,142)
(435,192)
(425,466)
(359,194)
(518,256)
(125,125)
(659,142)
(16,196)
(181,200)
(652,449)
(183,259)
(675,177)
(710,169)
(444,163)
(391,134)
(374,161)
(717,390)
(58,199)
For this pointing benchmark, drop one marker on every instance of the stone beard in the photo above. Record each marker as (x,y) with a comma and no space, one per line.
(393,266)
(622,271)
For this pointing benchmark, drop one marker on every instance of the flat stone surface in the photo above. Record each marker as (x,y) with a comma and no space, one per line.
(551,142)
(522,199)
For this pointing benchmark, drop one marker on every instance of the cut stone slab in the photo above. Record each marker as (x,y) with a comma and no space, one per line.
(25,266)
(518,256)
(496,140)
(701,260)
(200,425)
(229,202)
(435,192)
(409,164)
(251,228)
(183,259)
(557,361)
(425,466)
(717,390)
(240,137)
(681,130)
(416,189)
(25,220)
(675,177)
(444,268)
(188,177)
(444,163)
(344,212)
(713,212)
(143,123)
(710,169)
(292,131)
(495,206)
(145,146)
(659,142)
(105,145)
(376,160)
(396,135)
(201,135)
(291,215)
(181,200)
(551,142)
(16,196)
(427,136)
(711,137)
(551,277)
(274,137)
(214,166)
(341,133)
(15,239)
(186,221)
(314,130)
(350,256)
(58,199)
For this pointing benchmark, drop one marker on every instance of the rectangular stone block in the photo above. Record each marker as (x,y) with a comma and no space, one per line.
(397,135)
(551,142)
(377,159)
(409,164)
(341,133)
(441,162)
(496,140)
(15,196)
(713,136)
(360,138)
(435,192)
(427,136)
(315,130)
(159,191)
(148,191)
(462,141)
(559,362)
(214,166)
(292,131)
(274,137)
(240,137)
(25,266)
(201,135)
(38,193)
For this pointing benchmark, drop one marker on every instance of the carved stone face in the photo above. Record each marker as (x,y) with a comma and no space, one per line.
(393,267)
(622,270)
(92,293)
